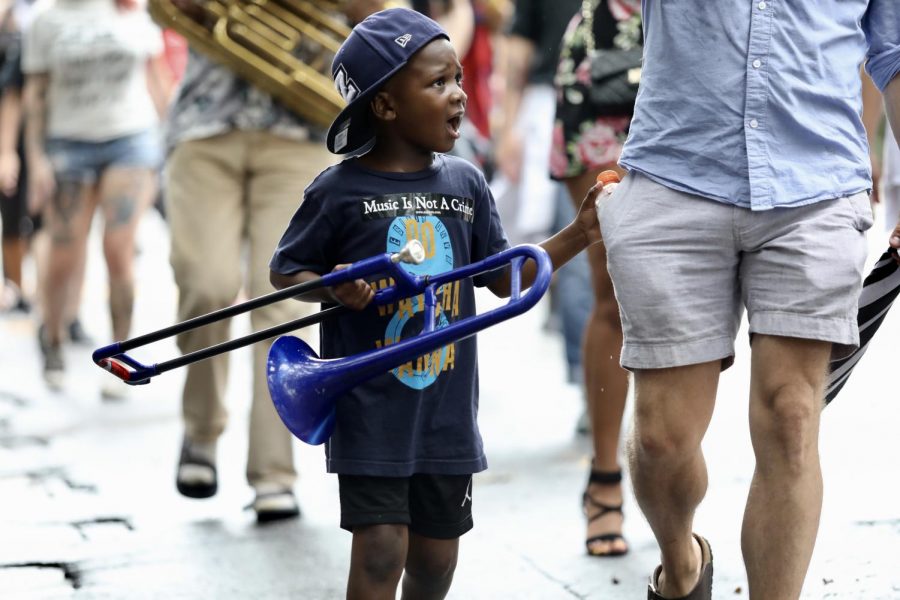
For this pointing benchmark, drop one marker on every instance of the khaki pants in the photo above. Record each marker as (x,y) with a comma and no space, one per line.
(238,187)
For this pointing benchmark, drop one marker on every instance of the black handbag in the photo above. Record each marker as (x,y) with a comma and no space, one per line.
(615,78)
(615,72)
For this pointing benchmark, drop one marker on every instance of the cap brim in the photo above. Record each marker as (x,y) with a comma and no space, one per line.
(352,129)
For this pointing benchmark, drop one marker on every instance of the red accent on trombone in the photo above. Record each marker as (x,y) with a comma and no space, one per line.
(116,368)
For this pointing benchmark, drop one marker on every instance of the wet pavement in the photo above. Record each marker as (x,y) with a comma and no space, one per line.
(90,508)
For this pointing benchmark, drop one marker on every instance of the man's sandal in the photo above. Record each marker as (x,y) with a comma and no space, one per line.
(589,505)
(703,589)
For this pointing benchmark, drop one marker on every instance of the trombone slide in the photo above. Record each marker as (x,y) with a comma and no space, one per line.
(114,357)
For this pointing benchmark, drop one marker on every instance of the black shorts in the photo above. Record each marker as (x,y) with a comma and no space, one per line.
(14,214)
(17,223)
(435,506)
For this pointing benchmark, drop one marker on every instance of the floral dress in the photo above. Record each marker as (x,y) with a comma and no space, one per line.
(583,141)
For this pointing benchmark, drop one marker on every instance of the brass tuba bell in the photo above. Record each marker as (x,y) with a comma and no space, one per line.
(284,47)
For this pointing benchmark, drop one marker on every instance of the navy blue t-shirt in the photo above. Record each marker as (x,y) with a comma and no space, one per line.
(420,417)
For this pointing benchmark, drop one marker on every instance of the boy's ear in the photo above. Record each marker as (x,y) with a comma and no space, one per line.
(384,107)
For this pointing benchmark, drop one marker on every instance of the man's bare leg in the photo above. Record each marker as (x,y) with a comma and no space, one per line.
(782,516)
(673,408)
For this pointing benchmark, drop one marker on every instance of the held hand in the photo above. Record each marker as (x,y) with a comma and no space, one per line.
(586,219)
(355,295)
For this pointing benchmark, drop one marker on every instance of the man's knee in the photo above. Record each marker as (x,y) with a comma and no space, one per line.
(672,410)
(785,424)
(786,400)
(204,284)
(661,441)
(660,435)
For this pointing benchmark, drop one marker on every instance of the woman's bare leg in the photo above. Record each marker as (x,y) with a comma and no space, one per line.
(606,383)
(67,221)
(125,193)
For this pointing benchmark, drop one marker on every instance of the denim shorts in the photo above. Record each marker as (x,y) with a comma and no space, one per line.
(684,268)
(82,161)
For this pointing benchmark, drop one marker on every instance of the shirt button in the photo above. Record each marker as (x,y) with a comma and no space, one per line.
(754,123)
(757,63)
(762,5)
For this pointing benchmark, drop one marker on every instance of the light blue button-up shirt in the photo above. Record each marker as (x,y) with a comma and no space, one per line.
(757,103)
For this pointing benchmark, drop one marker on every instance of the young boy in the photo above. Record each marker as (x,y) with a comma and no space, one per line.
(406,443)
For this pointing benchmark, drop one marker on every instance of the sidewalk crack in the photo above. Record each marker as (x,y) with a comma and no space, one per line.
(71,571)
(567,587)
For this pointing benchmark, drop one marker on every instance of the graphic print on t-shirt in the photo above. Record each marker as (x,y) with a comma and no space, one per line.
(421,217)
(96,69)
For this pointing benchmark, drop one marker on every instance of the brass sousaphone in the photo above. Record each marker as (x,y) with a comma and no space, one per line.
(284,47)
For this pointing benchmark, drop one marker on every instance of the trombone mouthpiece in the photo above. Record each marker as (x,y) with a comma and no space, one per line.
(413,252)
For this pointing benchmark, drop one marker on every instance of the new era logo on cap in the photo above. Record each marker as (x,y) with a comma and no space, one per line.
(403,40)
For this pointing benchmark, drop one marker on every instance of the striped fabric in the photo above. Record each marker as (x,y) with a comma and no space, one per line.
(879,291)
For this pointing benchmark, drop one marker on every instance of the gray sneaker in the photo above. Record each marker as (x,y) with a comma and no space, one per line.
(583,424)
(77,334)
(114,390)
(43,344)
(54,367)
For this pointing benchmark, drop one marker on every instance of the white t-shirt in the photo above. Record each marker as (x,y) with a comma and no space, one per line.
(96,58)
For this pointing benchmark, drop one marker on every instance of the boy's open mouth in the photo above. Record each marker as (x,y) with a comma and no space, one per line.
(454,123)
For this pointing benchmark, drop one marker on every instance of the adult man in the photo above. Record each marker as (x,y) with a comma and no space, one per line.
(748,186)
(237,165)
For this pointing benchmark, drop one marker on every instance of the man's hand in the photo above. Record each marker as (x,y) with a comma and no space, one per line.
(875,198)
(895,241)
(355,295)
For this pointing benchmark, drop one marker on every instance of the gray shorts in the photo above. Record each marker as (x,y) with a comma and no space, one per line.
(684,267)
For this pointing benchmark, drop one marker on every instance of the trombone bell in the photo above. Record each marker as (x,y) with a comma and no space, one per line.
(297,390)
(305,388)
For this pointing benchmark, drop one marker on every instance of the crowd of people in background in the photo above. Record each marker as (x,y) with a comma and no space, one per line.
(94,123)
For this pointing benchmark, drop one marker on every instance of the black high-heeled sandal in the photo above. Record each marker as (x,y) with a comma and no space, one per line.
(588,503)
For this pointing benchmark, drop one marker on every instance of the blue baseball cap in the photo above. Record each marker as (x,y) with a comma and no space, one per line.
(374,51)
